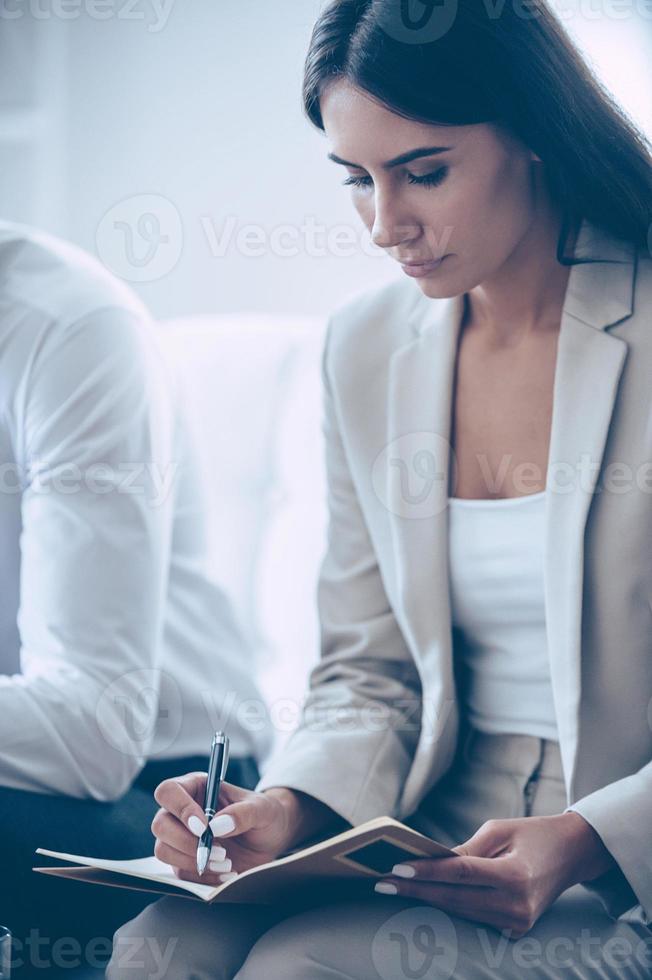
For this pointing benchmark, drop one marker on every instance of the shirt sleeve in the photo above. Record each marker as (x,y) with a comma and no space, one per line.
(94,439)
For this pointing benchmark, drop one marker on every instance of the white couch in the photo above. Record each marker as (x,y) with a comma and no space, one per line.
(251,386)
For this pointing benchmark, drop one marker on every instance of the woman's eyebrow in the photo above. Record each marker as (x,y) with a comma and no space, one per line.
(423,151)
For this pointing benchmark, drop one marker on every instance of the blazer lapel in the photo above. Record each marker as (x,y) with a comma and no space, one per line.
(415,468)
(421,376)
(588,369)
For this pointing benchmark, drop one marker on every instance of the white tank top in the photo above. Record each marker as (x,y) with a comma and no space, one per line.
(497,600)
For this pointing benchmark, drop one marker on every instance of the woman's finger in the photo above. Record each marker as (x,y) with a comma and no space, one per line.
(462,870)
(490,907)
(239,817)
(170,855)
(467,902)
(230,793)
(169,830)
(179,797)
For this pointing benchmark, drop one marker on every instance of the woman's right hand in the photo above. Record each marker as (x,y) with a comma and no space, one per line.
(258,835)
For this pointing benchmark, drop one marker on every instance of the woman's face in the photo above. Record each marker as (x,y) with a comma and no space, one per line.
(473,203)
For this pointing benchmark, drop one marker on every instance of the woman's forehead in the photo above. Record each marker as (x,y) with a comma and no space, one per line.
(360,130)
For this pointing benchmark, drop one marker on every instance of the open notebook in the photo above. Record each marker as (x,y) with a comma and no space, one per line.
(353,858)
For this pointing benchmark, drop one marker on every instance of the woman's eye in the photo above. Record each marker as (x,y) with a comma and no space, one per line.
(427,180)
(357,181)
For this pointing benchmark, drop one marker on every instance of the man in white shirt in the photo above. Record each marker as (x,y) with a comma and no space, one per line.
(118,655)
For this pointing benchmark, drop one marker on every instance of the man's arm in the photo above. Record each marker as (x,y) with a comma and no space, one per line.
(94,440)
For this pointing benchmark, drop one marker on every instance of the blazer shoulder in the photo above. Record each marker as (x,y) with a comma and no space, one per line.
(372,324)
(637,328)
(643,283)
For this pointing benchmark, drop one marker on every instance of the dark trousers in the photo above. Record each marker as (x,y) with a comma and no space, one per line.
(58,923)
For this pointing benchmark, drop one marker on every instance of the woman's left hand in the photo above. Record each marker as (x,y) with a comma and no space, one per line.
(510,871)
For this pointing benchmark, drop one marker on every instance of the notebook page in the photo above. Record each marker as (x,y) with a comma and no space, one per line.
(147,867)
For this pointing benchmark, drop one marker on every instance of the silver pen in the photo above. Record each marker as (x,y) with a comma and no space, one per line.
(219,760)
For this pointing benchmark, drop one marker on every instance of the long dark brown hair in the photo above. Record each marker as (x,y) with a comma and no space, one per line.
(508,62)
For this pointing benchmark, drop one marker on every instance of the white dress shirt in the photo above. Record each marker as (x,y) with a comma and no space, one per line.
(497,601)
(115,646)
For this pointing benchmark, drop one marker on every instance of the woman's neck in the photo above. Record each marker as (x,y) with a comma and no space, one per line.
(526,296)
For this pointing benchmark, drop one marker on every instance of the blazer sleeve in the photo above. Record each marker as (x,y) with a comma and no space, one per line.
(360,720)
(621,813)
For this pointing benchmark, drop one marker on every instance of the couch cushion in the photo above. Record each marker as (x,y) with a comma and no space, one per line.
(251,389)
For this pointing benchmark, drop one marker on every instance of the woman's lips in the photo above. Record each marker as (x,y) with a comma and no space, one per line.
(422,268)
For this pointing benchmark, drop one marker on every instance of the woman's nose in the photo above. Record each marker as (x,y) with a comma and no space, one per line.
(389,228)
(386,235)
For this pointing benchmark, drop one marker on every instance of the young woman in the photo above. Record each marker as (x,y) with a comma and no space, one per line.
(485,601)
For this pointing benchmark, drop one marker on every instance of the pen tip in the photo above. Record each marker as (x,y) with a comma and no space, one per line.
(202,859)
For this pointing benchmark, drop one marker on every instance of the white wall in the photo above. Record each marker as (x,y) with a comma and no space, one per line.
(189,111)
(207,113)
(33,121)
(615,37)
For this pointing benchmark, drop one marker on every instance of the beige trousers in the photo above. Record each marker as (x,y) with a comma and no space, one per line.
(393,938)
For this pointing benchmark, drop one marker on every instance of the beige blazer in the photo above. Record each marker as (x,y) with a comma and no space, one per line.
(380,722)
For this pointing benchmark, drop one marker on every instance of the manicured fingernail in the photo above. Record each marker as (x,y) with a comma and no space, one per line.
(227,877)
(217,853)
(223,823)
(385,888)
(403,871)
(220,865)
(195,826)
